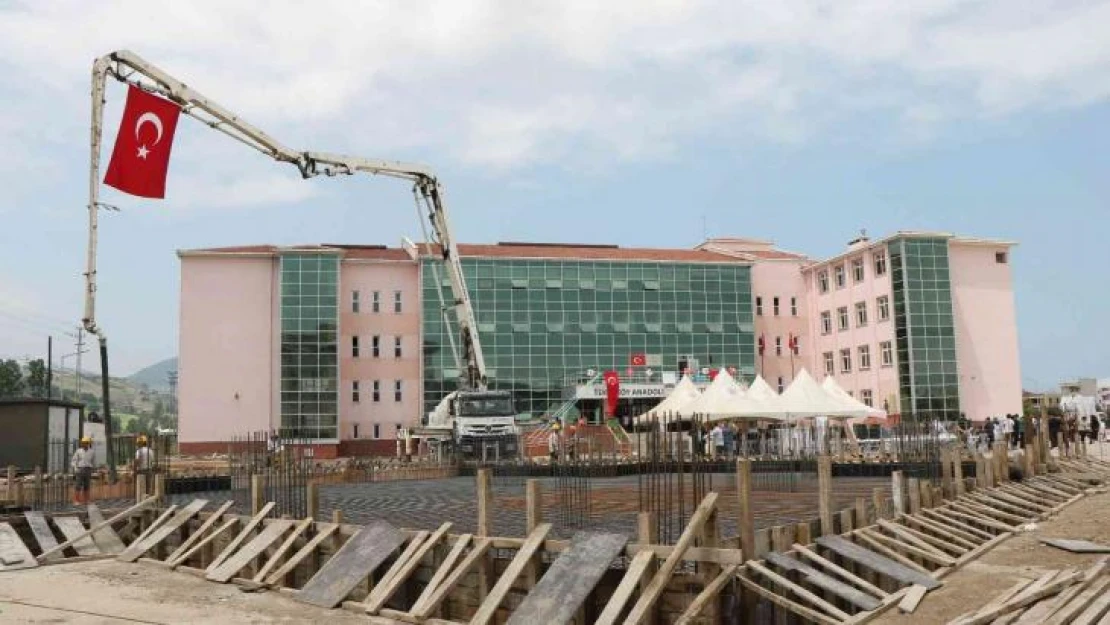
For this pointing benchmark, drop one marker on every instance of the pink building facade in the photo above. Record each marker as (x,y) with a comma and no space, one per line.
(330,340)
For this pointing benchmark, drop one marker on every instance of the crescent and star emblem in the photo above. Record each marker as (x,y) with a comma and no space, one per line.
(612,382)
(152,119)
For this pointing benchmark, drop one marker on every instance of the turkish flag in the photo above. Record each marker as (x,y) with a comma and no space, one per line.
(638,359)
(713,374)
(141,157)
(612,392)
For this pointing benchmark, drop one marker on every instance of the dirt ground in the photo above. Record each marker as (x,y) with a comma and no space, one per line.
(108,592)
(1020,557)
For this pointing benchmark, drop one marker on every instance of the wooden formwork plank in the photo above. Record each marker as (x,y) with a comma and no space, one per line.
(199,534)
(707,595)
(14,555)
(637,568)
(239,539)
(956,536)
(282,550)
(783,602)
(996,512)
(105,538)
(353,562)
(162,518)
(444,568)
(40,528)
(1071,611)
(939,516)
(176,561)
(241,558)
(322,534)
(655,588)
(923,541)
(839,571)
(799,591)
(423,610)
(877,563)
(816,578)
(414,542)
(496,595)
(880,547)
(99,526)
(569,580)
(139,547)
(961,513)
(71,527)
(1096,610)
(384,591)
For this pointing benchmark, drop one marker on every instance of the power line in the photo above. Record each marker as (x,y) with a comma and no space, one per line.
(40,321)
(29,312)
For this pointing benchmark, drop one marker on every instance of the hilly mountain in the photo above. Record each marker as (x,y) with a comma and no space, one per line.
(155,377)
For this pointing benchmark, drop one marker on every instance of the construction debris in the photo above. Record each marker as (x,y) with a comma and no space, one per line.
(1076,546)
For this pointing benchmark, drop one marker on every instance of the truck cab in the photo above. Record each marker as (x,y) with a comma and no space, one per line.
(482,424)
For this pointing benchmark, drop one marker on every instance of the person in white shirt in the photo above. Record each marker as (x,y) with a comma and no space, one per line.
(144,464)
(82,464)
(553,443)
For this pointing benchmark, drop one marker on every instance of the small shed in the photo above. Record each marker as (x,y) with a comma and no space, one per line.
(39,433)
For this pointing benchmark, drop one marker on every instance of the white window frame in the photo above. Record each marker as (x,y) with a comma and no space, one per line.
(823,281)
(867,398)
(826,322)
(354,301)
(398,391)
(376,391)
(775,305)
(843,319)
(864,352)
(376,346)
(830,363)
(840,279)
(882,304)
(879,262)
(376,302)
(858,273)
(354,346)
(778,346)
(846,360)
(886,354)
(861,314)
(398,347)
(758,306)
(354,391)
(398,302)
(793,306)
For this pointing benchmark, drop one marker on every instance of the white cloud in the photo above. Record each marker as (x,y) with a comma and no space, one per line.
(510,85)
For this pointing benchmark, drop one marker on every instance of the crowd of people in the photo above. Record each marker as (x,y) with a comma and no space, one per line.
(1011,429)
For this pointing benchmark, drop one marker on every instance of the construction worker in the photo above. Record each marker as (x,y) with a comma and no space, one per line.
(143,465)
(82,464)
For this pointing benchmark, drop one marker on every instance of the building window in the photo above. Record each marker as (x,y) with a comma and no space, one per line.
(826,322)
(845,361)
(354,391)
(842,318)
(397,302)
(396,430)
(823,280)
(865,397)
(880,263)
(781,386)
(354,301)
(354,347)
(775,303)
(1000,258)
(886,354)
(778,346)
(861,314)
(396,390)
(830,363)
(857,269)
(377,431)
(396,347)
(838,276)
(793,307)
(376,302)
(377,391)
(355,431)
(793,345)
(376,346)
(864,357)
(758,306)
(883,304)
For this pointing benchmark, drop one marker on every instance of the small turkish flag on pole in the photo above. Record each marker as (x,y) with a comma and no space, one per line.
(612,392)
(141,157)
(638,359)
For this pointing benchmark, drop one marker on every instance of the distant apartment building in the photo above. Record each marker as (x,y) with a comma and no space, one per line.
(347,344)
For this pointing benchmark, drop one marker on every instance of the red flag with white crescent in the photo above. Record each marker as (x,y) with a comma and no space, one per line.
(612,392)
(141,157)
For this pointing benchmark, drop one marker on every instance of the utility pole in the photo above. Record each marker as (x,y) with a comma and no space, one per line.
(80,348)
(49,367)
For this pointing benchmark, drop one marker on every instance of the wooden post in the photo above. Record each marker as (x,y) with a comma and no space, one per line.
(711,540)
(958,472)
(946,456)
(782,539)
(257,493)
(1030,464)
(312,499)
(847,523)
(824,494)
(745,521)
(1002,456)
(534,516)
(926,494)
(877,497)
(646,530)
(898,492)
(861,512)
(140,487)
(485,522)
(913,485)
(9,490)
(981,478)
(160,488)
(39,494)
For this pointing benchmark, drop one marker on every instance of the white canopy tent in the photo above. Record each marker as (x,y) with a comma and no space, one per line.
(805,398)
(681,396)
(837,392)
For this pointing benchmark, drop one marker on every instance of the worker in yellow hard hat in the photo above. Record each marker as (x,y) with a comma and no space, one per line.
(82,463)
(143,465)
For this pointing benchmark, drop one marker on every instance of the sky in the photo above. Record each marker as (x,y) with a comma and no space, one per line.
(646,123)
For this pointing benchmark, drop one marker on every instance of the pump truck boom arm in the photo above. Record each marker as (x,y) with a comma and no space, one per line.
(130,68)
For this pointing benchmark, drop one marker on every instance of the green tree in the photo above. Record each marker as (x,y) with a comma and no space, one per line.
(36,378)
(11,379)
